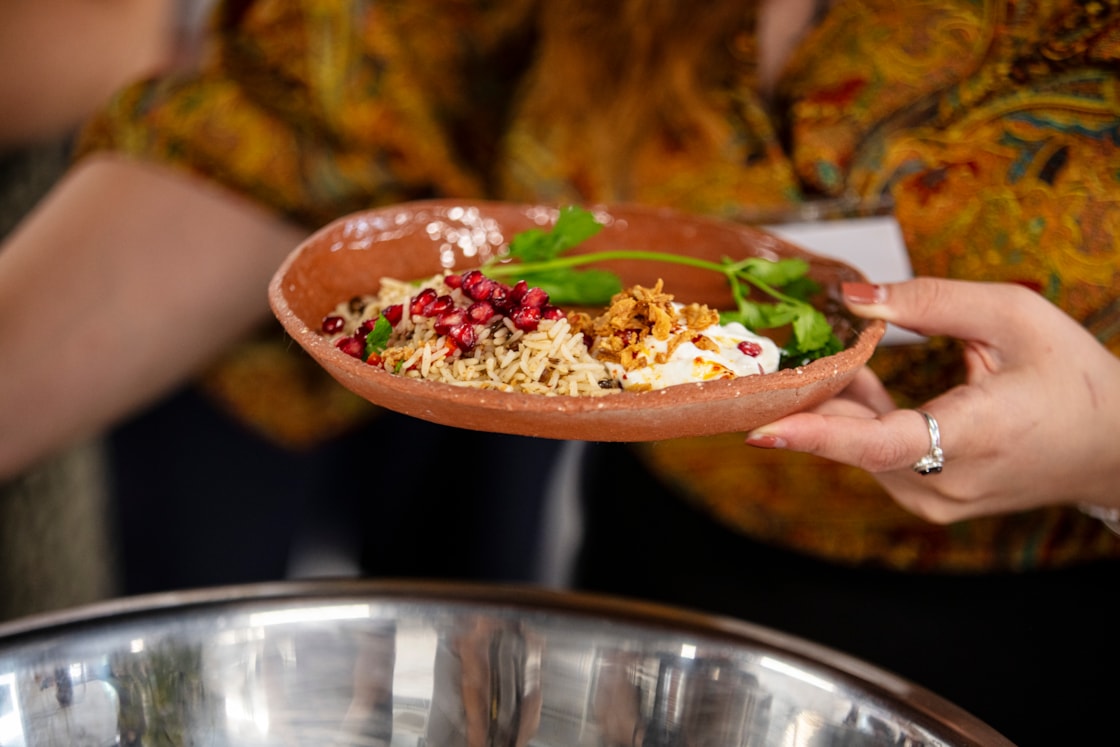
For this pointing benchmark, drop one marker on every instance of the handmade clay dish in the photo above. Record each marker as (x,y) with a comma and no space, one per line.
(415,240)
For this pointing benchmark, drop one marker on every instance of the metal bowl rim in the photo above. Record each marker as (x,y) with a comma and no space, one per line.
(924,704)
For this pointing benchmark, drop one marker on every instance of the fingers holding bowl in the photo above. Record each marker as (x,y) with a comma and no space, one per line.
(851,434)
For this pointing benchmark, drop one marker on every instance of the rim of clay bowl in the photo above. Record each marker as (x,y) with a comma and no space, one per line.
(707,408)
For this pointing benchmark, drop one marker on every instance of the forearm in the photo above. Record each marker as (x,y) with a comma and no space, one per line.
(115,290)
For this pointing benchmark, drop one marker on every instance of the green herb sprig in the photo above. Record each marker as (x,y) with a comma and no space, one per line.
(785,282)
(378,338)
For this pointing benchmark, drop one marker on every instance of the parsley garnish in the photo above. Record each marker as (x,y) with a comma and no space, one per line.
(378,338)
(785,282)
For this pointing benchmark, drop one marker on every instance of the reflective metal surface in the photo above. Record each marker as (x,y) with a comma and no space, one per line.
(409,664)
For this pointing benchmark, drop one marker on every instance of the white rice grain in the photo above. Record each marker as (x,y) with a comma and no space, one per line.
(549,360)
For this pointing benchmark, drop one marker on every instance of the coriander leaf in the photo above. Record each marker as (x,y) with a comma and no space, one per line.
(780,313)
(378,338)
(573,226)
(784,283)
(758,316)
(793,355)
(811,330)
(802,288)
(776,273)
(747,316)
(532,245)
(577,287)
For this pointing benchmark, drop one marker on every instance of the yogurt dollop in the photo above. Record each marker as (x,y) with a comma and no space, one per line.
(741,353)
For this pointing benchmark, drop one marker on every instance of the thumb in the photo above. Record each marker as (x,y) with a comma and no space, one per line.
(966,310)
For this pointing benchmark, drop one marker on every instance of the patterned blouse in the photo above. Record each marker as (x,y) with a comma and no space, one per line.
(992,127)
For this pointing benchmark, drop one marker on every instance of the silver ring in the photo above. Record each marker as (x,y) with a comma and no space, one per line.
(934,461)
(1110,517)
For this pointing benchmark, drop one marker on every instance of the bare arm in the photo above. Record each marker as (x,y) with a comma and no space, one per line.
(122,283)
(60,59)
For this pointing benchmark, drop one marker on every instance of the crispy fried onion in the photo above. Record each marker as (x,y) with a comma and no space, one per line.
(619,333)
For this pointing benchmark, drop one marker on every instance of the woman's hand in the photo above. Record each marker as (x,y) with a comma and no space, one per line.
(1037,423)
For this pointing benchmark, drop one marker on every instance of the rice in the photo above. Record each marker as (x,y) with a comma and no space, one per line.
(644,340)
(552,359)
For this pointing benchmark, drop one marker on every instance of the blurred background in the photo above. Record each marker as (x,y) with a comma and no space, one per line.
(59,61)
(181,495)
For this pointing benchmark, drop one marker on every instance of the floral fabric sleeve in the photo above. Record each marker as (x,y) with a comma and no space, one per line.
(316,107)
(868,61)
(1002,164)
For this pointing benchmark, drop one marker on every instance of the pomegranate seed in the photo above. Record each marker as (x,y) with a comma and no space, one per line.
(534,297)
(453,281)
(476,285)
(552,313)
(499,296)
(440,305)
(464,336)
(492,289)
(364,329)
(393,313)
(749,347)
(421,301)
(485,289)
(352,346)
(518,292)
(526,318)
(480,312)
(333,324)
(448,319)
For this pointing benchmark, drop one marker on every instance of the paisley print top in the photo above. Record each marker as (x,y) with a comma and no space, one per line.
(992,127)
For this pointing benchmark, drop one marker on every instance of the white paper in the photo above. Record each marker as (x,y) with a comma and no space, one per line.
(872,245)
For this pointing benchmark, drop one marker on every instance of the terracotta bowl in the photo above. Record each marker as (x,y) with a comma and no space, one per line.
(415,240)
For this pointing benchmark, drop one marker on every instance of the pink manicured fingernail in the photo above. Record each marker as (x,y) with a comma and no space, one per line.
(765,441)
(863,294)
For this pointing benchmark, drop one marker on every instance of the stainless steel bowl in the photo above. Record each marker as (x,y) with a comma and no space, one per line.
(414,664)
